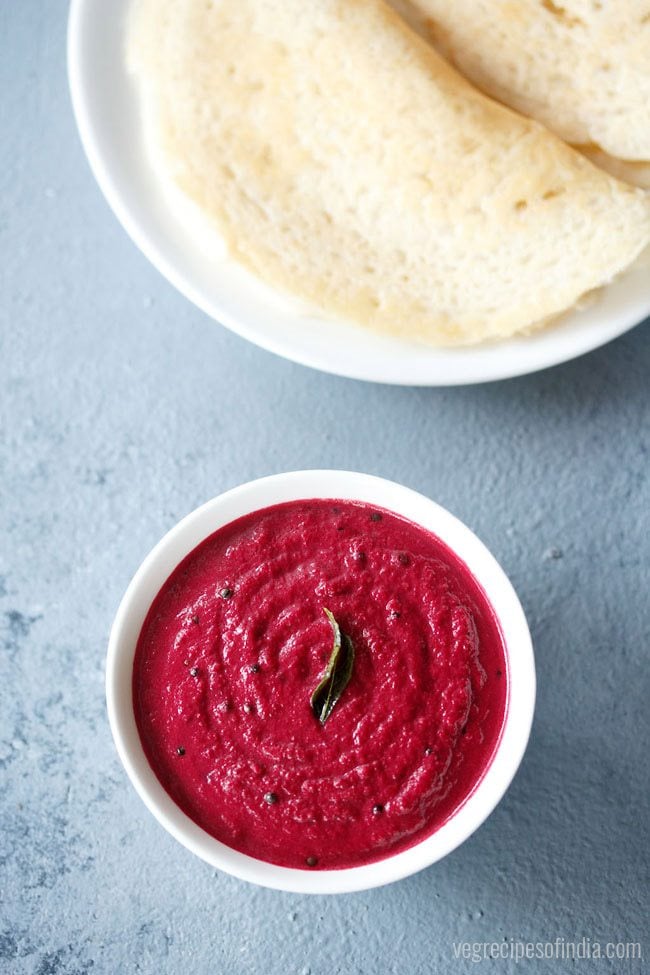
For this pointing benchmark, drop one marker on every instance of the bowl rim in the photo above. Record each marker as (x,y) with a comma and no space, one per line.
(107,115)
(330,484)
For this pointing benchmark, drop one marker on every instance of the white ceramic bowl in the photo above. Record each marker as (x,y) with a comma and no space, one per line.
(157,567)
(107,111)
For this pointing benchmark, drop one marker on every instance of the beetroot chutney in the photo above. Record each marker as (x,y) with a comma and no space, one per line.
(237,640)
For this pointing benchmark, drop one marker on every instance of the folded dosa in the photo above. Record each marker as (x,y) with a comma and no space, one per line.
(344,161)
(580,67)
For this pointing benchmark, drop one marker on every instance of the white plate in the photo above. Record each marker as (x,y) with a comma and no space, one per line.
(107,112)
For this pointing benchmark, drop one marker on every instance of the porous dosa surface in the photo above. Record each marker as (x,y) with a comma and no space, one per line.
(582,67)
(345,162)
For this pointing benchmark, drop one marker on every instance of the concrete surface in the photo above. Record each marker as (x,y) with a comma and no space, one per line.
(123,407)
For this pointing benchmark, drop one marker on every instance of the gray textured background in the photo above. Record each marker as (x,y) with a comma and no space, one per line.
(123,407)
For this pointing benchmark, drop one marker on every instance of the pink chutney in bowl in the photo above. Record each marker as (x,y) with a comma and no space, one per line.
(237,642)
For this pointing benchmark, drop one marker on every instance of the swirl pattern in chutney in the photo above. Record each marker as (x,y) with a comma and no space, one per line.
(236,641)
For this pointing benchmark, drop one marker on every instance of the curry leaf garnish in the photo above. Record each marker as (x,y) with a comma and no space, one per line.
(337,673)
